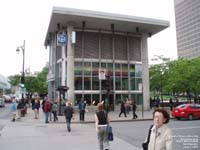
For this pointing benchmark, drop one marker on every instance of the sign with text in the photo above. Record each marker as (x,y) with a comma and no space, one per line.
(102,74)
(61,39)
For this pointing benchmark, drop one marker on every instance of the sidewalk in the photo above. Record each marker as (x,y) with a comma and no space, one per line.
(89,117)
(29,133)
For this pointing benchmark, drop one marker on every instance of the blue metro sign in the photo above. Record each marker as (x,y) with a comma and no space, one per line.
(61,39)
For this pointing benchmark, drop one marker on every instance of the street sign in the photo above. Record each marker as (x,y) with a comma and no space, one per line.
(61,39)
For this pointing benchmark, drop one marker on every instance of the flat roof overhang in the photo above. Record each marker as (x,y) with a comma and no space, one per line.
(101,20)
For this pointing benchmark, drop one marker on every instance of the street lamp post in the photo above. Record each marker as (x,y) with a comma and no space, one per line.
(22,48)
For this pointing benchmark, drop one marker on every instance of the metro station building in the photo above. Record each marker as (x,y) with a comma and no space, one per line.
(97,41)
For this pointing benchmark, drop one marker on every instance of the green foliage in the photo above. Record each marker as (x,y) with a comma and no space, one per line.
(33,83)
(178,76)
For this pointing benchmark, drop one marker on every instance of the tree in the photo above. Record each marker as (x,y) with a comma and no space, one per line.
(179,76)
(158,74)
(33,83)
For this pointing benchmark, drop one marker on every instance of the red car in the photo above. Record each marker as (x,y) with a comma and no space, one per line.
(190,111)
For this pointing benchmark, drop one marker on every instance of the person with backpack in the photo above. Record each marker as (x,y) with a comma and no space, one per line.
(47,110)
(55,110)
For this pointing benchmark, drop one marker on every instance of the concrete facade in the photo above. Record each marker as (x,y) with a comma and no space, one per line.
(113,42)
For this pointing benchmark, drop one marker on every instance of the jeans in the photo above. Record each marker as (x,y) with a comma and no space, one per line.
(102,135)
(82,115)
(68,121)
(46,117)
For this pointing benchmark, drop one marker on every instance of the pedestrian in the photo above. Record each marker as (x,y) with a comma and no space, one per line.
(68,112)
(20,107)
(157,102)
(13,109)
(123,109)
(82,106)
(55,110)
(134,107)
(171,104)
(101,124)
(36,107)
(47,110)
(161,135)
(51,112)
(32,104)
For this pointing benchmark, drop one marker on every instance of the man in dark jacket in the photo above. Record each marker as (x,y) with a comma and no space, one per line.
(81,107)
(123,109)
(68,112)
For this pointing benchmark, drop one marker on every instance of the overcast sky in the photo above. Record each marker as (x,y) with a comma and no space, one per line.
(29,19)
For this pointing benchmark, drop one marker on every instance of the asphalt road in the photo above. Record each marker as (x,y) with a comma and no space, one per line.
(186,134)
(5,111)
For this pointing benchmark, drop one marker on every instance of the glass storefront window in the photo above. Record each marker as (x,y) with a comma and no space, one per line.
(138,83)
(103,65)
(117,70)
(138,70)
(132,83)
(78,97)
(95,69)
(124,83)
(78,68)
(95,99)
(87,98)
(124,96)
(118,83)
(137,98)
(118,99)
(95,83)
(125,70)
(132,70)
(78,83)
(87,68)
(110,69)
(87,83)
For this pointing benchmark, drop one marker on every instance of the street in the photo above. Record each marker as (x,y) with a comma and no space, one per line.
(186,134)
(29,133)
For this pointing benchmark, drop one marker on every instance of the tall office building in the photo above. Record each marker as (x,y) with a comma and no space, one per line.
(187,13)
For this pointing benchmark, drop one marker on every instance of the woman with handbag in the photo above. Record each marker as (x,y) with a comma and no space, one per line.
(101,124)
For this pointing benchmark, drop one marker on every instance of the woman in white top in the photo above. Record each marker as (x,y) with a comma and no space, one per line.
(161,135)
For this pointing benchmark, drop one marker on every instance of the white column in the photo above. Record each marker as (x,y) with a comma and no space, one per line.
(63,75)
(70,64)
(145,71)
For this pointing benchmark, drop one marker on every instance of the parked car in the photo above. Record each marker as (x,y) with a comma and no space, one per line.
(2,102)
(190,111)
